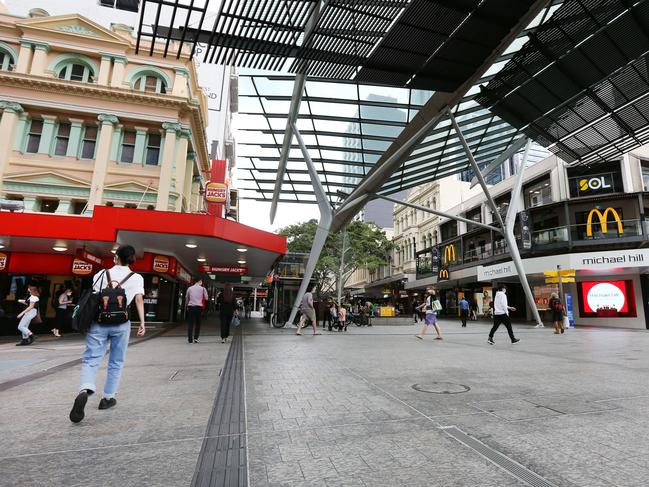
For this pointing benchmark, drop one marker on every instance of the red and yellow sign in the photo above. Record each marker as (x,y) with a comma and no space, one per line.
(81,267)
(3,261)
(161,264)
(216,192)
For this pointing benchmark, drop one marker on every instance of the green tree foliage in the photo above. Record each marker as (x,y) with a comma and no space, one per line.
(364,246)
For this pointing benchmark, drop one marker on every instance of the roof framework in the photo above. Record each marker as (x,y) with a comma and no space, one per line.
(581,83)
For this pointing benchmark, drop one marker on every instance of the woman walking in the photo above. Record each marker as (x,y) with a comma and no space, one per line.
(342,318)
(558,312)
(227,311)
(430,306)
(63,300)
(27,315)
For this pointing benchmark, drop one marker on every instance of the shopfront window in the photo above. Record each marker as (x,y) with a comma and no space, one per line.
(538,193)
(158,298)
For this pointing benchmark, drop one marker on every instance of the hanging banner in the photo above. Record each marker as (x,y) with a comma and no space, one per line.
(211,269)
(569,309)
(81,267)
(88,257)
(161,264)
(526,232)
(4,259)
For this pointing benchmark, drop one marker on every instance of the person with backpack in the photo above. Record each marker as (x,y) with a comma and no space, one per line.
(27,315)
(113,290)
(558,311)
(431,306)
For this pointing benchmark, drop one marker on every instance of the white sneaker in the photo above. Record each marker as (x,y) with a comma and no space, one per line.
(540,325)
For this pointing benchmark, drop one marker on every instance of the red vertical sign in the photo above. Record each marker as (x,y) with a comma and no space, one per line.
(217,175)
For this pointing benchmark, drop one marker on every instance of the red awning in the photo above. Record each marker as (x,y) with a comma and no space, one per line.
(217,240)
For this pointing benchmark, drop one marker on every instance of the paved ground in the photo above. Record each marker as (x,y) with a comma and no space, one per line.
(345,409)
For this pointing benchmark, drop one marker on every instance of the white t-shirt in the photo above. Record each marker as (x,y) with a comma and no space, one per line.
(132,287)
(500,304)
(33,299)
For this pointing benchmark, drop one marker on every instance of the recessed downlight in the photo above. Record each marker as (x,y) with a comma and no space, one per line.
(190,245)
(242,250)
(241,261)
(59,248)
(2,246)
(201,259)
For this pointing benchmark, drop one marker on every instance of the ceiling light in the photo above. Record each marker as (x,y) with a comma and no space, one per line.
(201,259)
(241,261)
(59,248)
(191,245)
(2,246)
(242,250)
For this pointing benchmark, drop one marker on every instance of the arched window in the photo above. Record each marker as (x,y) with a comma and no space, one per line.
(150,83)
(434,204)
(7,58)
(76,71)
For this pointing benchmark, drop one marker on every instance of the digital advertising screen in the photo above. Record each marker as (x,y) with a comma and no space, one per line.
(607,299)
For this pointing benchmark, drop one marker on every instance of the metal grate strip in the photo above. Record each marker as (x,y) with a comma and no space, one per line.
(512,467)
(223,460)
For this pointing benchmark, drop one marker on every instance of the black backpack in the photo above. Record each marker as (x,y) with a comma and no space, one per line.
(85,312)
(113,305)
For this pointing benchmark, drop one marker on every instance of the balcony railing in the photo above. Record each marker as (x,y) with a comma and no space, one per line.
(585,232)
(550,236)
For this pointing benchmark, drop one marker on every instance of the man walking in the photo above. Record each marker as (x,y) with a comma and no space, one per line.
(123,283)
(501,316)
(464,311)
(196,296)
(308,310)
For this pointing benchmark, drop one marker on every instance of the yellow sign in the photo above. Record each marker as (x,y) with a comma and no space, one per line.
(387,311)
(216,192)
(555,280)
(443,275)
(449,254)
(562,273)
(603,221)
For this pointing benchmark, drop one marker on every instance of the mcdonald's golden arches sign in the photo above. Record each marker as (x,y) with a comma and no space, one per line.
(450,255)
(602,217)
(443,274)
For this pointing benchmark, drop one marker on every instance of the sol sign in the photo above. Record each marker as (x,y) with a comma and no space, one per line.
(595,184)
(161,264)
(81,267)
(3,261)
(216,192)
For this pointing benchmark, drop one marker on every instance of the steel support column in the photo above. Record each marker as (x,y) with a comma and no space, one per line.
(322,232)
(507,230)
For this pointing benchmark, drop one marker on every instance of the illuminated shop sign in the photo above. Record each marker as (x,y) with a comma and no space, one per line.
(607,299)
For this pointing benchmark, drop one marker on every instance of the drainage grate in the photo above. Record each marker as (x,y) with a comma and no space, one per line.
(507,464)
(222,460)
(441,388)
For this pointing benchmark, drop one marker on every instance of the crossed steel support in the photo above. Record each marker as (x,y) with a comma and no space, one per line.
(324,225)
(507,226)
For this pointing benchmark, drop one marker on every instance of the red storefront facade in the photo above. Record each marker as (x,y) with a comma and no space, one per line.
(172,248)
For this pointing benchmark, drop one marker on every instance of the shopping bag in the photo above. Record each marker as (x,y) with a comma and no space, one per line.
(235,321)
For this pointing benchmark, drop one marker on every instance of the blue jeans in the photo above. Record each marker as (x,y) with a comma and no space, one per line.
(97,340)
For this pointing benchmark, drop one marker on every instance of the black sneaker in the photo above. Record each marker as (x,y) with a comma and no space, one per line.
(22,342)
(190,341)
(195,340)
(490,341)
(31,338)
(516,340)
(77,414)
(107,403)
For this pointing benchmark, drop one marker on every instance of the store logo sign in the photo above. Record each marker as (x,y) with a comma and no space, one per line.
(161,264)
(81,267)
(449,254)
(603,221)
(443,275)
(216,192)
(3,261)
(594,184)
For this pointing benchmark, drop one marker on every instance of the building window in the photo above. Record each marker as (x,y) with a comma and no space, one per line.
(34,136)
(49,206)
(133,206)
(78,207)
(128,5)
(76,72)
(150,84)
(153,149)
(645,175)
(476,216)
(6,61)
(128,147)
(62,140)
(538,193)
(89,142)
